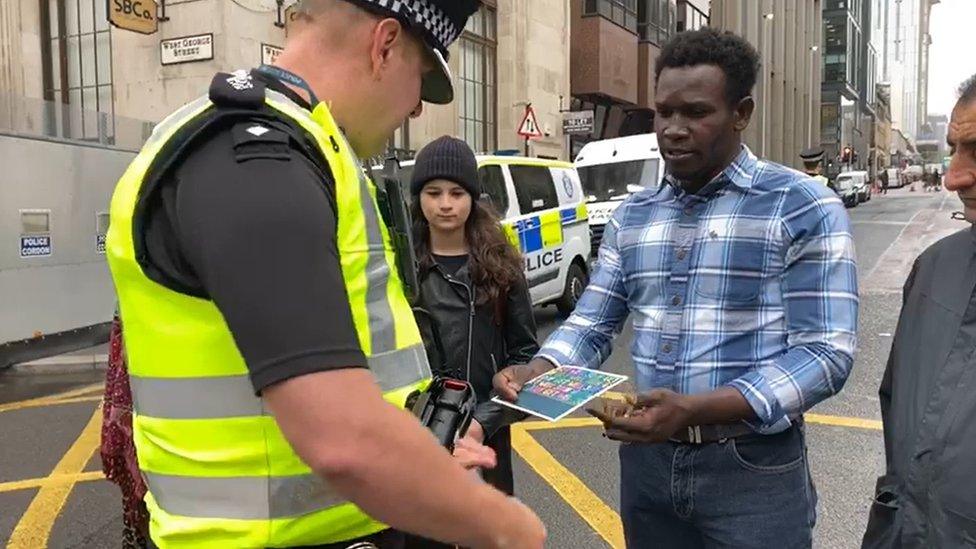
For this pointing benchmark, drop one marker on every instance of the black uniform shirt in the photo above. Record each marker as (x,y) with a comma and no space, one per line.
(247,220)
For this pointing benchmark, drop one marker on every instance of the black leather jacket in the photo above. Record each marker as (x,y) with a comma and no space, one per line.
(474,344)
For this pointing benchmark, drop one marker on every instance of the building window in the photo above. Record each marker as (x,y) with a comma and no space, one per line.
(836,49)
(477,51)
(77,64)
(690,18)
(656,20)
(621,12)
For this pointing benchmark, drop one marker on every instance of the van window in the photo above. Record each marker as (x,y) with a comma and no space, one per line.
(605,182)
(493,184)
(844,182)
(534,188)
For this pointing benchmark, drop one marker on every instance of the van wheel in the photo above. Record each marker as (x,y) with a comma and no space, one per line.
(576,281)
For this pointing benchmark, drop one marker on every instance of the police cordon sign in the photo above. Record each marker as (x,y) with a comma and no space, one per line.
(35,246)
(134,15)
(186,49)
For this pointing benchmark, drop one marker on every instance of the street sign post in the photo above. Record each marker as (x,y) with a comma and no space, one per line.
(529,128)
(136,16)
(578,122)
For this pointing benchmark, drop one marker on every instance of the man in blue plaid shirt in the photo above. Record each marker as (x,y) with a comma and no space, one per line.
(741,280)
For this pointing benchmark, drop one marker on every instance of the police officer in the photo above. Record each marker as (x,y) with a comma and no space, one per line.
(270,345)
(812,163)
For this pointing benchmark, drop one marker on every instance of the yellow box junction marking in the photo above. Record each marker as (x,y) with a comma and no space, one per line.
(60,398)
(604,520)
(50,481)
(35,525)
(837,421)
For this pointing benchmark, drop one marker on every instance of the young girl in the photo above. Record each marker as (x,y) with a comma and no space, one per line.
(473,287)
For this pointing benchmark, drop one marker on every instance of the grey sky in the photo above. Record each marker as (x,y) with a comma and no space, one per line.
(952,58)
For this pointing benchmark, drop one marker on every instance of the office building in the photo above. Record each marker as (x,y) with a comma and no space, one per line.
(849,87)
(67,72)
(931,141)
(787,34)
(904,59)
(614,46)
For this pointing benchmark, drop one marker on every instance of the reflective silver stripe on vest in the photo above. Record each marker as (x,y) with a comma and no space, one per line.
(178,118)
(242,498)
(382,325)
(381,322)
(233,396)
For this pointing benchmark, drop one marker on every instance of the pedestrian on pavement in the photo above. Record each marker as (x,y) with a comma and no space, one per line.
(474,289)
(884,181)
(270,345)
(740,277)
(927,496)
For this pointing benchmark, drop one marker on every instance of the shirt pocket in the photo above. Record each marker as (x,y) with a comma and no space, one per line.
(730,271)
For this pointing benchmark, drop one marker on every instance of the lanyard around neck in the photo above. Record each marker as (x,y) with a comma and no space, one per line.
(289,77)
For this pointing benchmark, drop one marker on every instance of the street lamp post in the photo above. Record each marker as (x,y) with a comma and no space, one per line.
(813,53)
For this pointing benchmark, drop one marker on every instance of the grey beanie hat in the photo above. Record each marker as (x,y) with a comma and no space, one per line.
(446,158)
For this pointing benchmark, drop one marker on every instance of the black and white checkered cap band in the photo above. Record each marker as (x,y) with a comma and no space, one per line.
(426,15)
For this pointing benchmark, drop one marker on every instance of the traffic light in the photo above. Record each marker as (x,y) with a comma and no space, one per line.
(847,155)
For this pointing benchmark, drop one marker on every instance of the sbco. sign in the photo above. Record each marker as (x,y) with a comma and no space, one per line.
(134,15)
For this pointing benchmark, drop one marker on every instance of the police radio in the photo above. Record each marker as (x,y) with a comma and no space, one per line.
(393,207)
(446,408)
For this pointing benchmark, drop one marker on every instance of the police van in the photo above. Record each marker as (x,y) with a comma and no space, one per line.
(544,213)
(613,169)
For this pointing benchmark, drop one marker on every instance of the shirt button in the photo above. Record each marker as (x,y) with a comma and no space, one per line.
(666,348)
(676,300)
(681,253)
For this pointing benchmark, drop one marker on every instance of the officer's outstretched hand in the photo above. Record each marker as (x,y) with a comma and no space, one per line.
(474,455)
(509,382)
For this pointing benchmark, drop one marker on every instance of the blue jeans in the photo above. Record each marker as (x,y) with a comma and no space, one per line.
(752,491)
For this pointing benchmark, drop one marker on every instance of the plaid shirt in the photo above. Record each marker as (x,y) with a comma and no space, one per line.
(751,283)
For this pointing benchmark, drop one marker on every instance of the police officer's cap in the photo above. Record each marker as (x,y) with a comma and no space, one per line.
(438,23)
(813,154)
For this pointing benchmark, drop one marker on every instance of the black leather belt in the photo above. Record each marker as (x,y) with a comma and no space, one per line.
(704,434)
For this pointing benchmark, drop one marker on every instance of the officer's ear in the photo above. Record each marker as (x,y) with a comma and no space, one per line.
(387,34)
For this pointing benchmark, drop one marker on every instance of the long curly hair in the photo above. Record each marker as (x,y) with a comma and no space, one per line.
(495,265)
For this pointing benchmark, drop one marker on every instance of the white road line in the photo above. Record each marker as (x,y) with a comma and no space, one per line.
(892,245)
(879,222)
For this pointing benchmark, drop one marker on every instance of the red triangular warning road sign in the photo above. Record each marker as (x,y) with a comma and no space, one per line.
(529,126)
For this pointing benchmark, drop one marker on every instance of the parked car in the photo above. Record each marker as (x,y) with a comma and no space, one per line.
(845,185)
(860,182)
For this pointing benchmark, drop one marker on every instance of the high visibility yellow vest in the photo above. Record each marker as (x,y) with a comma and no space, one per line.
(219,471)
(819,178)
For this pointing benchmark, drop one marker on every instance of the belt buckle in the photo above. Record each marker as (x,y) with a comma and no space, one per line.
(694,434)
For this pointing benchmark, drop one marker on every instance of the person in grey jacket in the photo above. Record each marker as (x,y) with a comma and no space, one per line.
(927,496)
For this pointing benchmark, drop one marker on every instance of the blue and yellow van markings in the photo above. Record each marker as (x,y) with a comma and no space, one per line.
(544,230)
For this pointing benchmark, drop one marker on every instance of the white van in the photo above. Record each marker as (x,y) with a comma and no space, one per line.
(544,213)
(611,170)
